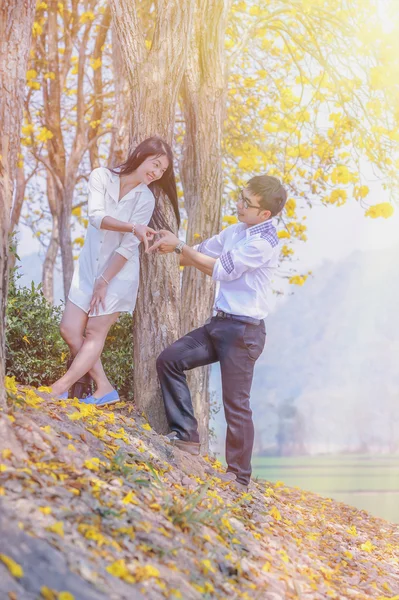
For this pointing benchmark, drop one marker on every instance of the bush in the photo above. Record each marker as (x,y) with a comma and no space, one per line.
(117,356)
(36,353)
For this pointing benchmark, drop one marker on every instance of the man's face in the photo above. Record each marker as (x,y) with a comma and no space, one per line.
(249,210)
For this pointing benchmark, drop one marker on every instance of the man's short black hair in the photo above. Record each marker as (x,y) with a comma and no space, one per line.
(272,194)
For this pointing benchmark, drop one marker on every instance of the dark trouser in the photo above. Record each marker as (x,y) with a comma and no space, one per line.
(236,345)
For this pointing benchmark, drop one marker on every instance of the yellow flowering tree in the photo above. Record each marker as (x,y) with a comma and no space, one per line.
(67,112)
(312,98)
(15,25)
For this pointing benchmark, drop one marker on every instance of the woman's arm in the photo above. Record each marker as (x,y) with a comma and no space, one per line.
(100,287)
(98,218)
(111,224)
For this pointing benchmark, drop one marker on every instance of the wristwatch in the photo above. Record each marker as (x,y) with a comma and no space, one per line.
(179,247)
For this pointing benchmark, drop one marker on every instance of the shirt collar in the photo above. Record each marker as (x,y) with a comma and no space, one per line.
(114,187)
(265,227)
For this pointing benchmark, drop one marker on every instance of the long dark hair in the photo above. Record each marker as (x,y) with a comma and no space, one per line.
(154,146)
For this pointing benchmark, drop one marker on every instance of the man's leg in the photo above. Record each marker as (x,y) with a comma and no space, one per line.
(238,346)
(193,350)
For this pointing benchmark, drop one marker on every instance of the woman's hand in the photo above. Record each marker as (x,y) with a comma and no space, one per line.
(145,234)
(167,242)
(98,298)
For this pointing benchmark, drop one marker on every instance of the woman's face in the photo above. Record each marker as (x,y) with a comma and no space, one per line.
(152,168)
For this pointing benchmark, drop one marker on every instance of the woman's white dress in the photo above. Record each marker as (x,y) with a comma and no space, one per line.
(100,245)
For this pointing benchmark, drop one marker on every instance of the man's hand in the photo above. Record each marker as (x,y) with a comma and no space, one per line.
(144,234)
(167,242)
(98,298)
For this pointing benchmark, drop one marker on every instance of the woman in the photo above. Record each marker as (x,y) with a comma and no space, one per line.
(105,282)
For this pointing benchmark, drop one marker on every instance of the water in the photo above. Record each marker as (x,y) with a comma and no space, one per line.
(367,482)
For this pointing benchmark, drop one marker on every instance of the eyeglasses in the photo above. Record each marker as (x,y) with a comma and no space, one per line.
(245,202)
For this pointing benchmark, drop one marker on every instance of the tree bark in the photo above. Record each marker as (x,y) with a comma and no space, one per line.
(52,248)
(154,77)
(20,187)
(16,20)
(120,126)
(98,87)
(203,101)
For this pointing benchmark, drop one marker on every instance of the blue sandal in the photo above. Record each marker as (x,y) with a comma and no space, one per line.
(110,398)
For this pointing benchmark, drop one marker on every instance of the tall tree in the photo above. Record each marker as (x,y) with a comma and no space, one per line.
(154,69)
(204,106)
(66,111)
(16,20)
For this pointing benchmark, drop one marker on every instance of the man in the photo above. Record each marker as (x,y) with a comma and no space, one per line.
(242,258)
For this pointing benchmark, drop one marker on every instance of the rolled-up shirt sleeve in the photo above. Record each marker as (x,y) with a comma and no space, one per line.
(232,264)
(213,246)
(96,199)
(142,216)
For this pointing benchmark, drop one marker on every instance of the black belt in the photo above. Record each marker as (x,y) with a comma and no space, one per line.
(222,315)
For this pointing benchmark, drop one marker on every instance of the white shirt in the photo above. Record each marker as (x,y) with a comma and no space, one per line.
(100,245)
(246,260)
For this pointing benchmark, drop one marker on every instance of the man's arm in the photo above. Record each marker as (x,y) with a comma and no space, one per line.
(191,258)
(188,258)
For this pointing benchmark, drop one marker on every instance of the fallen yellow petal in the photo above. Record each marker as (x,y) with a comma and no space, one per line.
(57,528)
(15,569)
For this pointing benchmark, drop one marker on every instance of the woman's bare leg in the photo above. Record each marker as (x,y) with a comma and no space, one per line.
(73,324)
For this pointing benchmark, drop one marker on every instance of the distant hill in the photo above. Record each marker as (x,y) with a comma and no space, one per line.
(328,380)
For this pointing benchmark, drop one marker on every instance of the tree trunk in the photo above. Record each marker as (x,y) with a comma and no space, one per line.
(49,264)
(16,20)
(120,125)
(204,99)
(54,244)
(20,187)
(98,87)
(154,78)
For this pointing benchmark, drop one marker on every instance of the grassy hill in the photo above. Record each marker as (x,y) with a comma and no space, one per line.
(94,504)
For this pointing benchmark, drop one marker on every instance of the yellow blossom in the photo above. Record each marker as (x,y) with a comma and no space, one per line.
(92,463)
(10,385)
(37,29)
(119,569)
(384,209)
(44,134)
(34,85)
(95,63)
(341,174)
(230,219)
(130,498)
(275,513)
(298,279)
(352,530)
(46,510)
(207,566)
(31,74)
(146,426)
(367,546)
(87,17)
(290,207)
